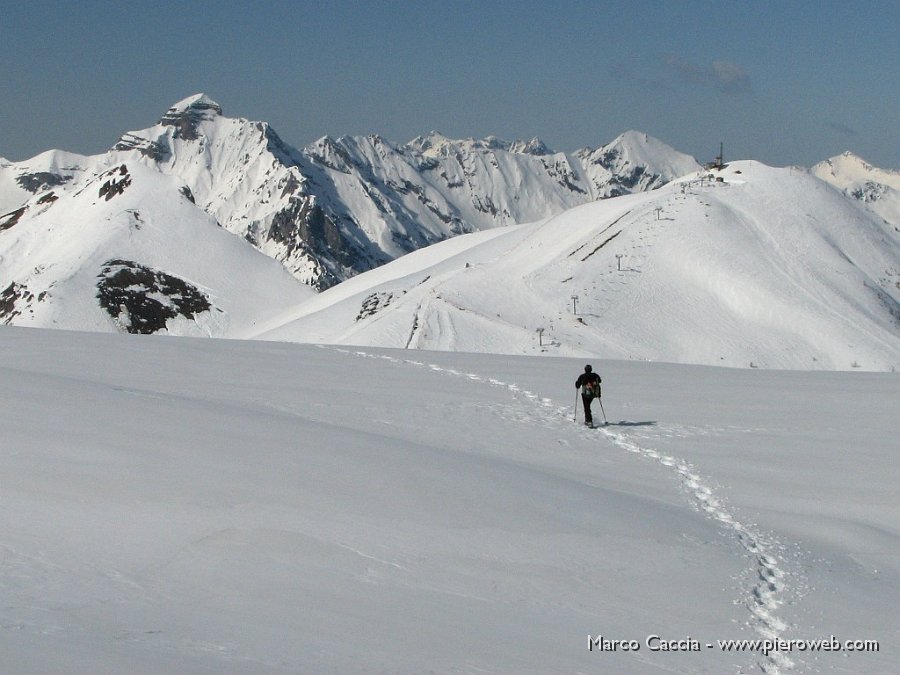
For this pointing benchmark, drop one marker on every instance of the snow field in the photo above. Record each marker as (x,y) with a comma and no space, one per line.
(214,506)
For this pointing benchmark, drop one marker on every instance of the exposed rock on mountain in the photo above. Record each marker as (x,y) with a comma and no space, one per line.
(878,189)
(756,267)
(127,250)
(342,206)
(142,300)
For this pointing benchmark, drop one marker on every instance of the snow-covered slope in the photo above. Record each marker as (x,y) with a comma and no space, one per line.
(878,188)
(768,267)
(633,162)
(346,205)
(186,506)
(753,267)
(51,170)
(128,250)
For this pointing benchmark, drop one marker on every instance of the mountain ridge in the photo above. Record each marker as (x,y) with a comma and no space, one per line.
(749,266)
(344,205)
(157,235)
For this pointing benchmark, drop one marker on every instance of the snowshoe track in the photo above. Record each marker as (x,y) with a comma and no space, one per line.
(769,588)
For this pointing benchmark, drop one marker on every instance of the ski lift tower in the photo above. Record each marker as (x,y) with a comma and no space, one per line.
(719,162)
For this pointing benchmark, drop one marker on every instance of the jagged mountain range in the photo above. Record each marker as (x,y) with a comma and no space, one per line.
(142,239)
(342,206)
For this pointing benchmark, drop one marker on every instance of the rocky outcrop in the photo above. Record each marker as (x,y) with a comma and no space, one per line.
(185,116)
(142,300)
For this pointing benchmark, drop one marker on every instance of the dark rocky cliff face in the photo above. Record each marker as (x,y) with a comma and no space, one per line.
(157,150)
(187,120)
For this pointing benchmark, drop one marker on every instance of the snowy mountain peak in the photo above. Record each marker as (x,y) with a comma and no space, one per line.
(199,103)
(850,167)
(429,144)
(878,189)
(435,144)
(535,147)
(186,115)
(633,162)
(641,148)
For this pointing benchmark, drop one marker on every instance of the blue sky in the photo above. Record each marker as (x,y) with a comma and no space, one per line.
(782,82)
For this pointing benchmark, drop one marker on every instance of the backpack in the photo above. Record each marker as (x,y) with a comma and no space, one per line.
(592,388)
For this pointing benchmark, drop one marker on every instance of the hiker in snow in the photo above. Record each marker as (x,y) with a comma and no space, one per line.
(589,382)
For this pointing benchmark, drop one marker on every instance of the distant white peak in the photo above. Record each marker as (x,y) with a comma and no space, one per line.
(198,102)
(533,147)
(638,139)
(57,160)
(430,143)
(847,168)
(377,142)
(491,143)
(435,143)
(325,143)
(634,137)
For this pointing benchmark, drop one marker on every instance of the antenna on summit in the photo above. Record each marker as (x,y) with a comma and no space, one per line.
(719,162)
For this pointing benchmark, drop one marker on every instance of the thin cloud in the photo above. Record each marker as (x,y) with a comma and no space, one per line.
(625,73)
(726,76)
(730,76)
(842,128)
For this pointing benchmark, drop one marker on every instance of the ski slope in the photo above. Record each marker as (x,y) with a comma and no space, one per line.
(210,506)
(753,267)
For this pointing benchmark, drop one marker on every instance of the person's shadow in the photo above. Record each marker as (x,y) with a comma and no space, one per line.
(626,423)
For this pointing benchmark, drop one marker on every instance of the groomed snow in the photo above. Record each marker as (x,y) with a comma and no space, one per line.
(207,506)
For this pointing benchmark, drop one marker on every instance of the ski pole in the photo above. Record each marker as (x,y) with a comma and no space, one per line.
(575,416)
(605,421)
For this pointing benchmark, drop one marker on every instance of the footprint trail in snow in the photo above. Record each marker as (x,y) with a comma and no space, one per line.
(769,587)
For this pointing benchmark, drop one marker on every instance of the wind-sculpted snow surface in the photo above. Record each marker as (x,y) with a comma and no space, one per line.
(762,598)
(176,505)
